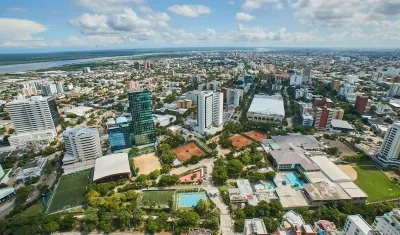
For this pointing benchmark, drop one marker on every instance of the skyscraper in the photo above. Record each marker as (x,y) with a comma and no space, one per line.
(34,119)
(81,144)
(390,148)
(361,103)
(209,110)
(140,108)
(120,133)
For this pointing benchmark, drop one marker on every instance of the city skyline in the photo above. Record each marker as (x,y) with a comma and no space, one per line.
(127,24)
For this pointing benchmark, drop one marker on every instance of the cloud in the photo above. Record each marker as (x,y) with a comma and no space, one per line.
(332,13)
(244,16)
(231,3)
(256,4)
(387,7)
(19,29)
(16,9)
(189,10)
(108,6)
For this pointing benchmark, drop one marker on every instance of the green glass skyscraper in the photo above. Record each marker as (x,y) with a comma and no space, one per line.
(140,108)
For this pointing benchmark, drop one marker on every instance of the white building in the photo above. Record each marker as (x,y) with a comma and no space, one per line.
(209,110)
(394,90)
(233,96)
(392,71)
(351,79)
(81,144)
(163,120)
(296,80)
(389,152)
(266,108)
(355,224)
(347,89)
(49,89)
(378,75)
(86,70)
(254,227)
(389,223)
(307,120)
(34,119)
(383,109)
(32,169)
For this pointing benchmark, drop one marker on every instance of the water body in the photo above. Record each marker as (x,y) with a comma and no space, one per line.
(45,65)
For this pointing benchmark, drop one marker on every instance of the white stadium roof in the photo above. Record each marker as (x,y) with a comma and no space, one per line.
(330,169)
(109,165)
(264,104)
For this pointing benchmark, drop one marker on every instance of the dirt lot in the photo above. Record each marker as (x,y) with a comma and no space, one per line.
(147,163)
(344,149)
(349,171)
(240,141)
(187,151)
(256,135)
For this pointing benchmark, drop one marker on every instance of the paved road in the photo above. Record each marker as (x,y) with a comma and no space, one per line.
(6,208)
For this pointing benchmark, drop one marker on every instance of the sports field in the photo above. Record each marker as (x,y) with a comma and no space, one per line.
(256,135)
(187,151)
(70,191)
(375,183)
(161,197)
(239,141)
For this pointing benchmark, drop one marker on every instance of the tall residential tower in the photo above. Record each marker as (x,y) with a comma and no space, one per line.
(389,153)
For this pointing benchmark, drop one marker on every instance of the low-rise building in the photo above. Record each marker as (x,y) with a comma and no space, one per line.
(340,126)
(254,227)
(266,108)
(355,224)
(32,169)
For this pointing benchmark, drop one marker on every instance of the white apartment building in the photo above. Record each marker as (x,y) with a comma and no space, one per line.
(81,144)
(389,223)
(394,90)
(356,225)
(49,89)
(233,96)
(383,109)
(378,75)
(34,119)
(389,153)
(307,120)
(347,89)
(296,80)
(209,110)
(351,79)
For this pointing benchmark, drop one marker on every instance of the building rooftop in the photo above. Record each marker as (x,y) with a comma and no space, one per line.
(330,169)
(290,198)
(265,104)
(287,157)
(79,111)
(336,123)
(353,190)
(254,226)
(325,191)
(360,222)
(80,131)
(109,165)
(287,142)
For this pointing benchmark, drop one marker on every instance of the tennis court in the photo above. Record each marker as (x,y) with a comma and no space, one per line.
(161,197)
(186,200)
(70,191)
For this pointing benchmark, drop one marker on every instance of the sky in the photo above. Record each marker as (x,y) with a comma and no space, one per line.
(53,25)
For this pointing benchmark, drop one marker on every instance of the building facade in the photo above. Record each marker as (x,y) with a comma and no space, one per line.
(140,108)
(355,224)
(389,152)
(389,223)
(120,134)
(361,103)
(36,115)
(233,96)
(323,117)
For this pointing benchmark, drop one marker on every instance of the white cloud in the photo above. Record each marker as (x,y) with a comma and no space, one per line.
(279,6)
(17,9)
(231,3)
(256,4)
(189,10)
(387,7)
(108,6)
(19,29)
(244,16)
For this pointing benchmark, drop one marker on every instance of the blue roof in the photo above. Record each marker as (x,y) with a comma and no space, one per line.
(121,119)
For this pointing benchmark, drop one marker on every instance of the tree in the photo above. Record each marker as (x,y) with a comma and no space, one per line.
(152,225)
(211,223)
(50,227)
(234,168)
(213,145)
(22,194)
(202,207)
(186,220)
(154,174)
(165,168)
(245,158)
(67,223)
(220,175)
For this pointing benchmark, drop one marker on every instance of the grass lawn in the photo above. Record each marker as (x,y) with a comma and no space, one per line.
(33,210)
(70,192)
(375,183)
(160,198)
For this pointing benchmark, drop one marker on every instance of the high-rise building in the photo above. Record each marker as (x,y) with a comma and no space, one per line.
(355,224)
(394,90)
(389,152)
(184,104)
(136,65)
(195,79)
(296,80)
(59,88)
(34,114)
(233,96)
(81,144)
(131,85)
(86,70)
(337,113)
(323,117)
(361,103)
(140,108)
(307,75)
(378,75)
(49,89)
(335,85)
(326,64)
(389,223)
(209,110)
(120,133)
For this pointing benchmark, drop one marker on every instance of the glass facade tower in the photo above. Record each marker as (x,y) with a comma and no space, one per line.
(120,134)
(140,108)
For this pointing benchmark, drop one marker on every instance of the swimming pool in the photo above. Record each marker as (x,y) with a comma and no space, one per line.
(190,199)
(265,186)
(294,180)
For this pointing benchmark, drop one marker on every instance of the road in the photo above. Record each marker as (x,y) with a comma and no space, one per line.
(6,208)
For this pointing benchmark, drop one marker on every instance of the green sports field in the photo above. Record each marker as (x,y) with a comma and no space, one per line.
(375,183)
(160,198)
(70,192)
